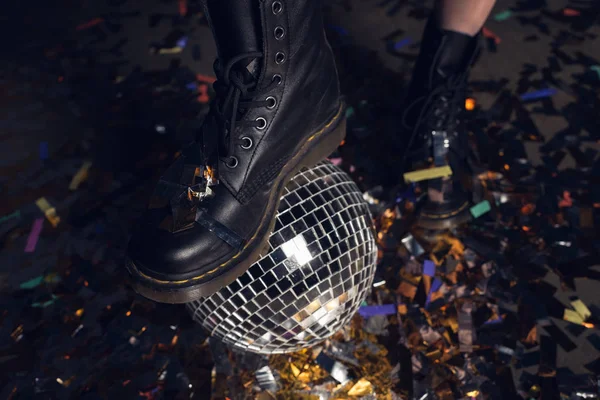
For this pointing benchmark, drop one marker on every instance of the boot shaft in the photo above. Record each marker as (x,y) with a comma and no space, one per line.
(285,31)
(285,43)
(442,55)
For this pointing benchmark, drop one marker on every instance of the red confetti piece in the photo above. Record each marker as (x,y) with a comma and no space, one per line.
(569,12)
(203,96)
(489,34)
(89,24)
(182,8)
(566,201)
(206,78)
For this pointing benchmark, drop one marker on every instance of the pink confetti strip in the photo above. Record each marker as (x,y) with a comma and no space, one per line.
(34,235)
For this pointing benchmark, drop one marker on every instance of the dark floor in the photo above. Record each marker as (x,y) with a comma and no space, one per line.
(78,83)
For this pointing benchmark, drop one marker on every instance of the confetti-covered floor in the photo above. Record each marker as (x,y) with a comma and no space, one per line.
(96,98)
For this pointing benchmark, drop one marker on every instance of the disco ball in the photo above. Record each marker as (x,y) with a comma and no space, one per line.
(319,268)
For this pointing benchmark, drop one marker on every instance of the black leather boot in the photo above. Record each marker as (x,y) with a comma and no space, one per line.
(278,109)
(435,102)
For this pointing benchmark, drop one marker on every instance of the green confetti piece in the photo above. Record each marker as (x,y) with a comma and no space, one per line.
(364,303)
(45,304)
(32,283)
(479,209)
(503,16)
(349,112)
(16,214)
(596,68)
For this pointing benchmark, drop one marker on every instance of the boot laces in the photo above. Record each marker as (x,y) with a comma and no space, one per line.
(438,109)
(235,90)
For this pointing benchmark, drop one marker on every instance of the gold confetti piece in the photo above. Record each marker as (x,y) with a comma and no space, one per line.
(16,334)
(581,309)
(402,309)
(470,104)
(427,174)
(81,176)
(48,210)
(572,316)
(361,388)
(79,312)
(173,50)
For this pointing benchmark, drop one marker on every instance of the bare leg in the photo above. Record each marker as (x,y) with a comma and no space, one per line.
(464,16)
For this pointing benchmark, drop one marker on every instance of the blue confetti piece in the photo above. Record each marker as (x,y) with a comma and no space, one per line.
(43,151)
(182,42)
(339,29)
(429,268)
(539,94)
(369,311)
(408,194)
(493,321)
(436,285)
(192,86)
(401,43)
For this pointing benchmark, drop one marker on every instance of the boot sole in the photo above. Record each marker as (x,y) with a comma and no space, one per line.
(316,148)
(449,220)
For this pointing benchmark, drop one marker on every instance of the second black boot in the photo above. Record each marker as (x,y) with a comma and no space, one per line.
(277,109)
(434,132)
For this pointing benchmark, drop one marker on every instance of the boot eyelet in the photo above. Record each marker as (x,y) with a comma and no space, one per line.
(247,145)
(232,162)
(279,57)
(271,102)
(263,123)
(277,78)
(279,32)
(276,7)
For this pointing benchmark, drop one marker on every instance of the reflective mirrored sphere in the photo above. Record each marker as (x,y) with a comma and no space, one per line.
(318,270)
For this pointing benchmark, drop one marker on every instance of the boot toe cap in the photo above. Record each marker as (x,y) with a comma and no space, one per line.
(177,256)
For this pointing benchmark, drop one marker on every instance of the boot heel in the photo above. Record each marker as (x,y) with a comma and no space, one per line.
(327,144)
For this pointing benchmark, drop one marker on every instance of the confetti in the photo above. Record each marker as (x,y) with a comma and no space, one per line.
(479,209)
(581,309)
(539,94)
(491,35)
(369,311)
(32,283)
(402,43)
(427,174)
(183,9)
(503,16)
(429,268)
(81,176)
(48,210)
(572,316)
(569,12)
(34,235)
(89,24)
(8,217)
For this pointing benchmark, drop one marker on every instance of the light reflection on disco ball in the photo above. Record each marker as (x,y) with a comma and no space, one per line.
(320,267)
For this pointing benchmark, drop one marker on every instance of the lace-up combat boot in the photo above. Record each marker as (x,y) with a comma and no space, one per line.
(277,109)
(433,119)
